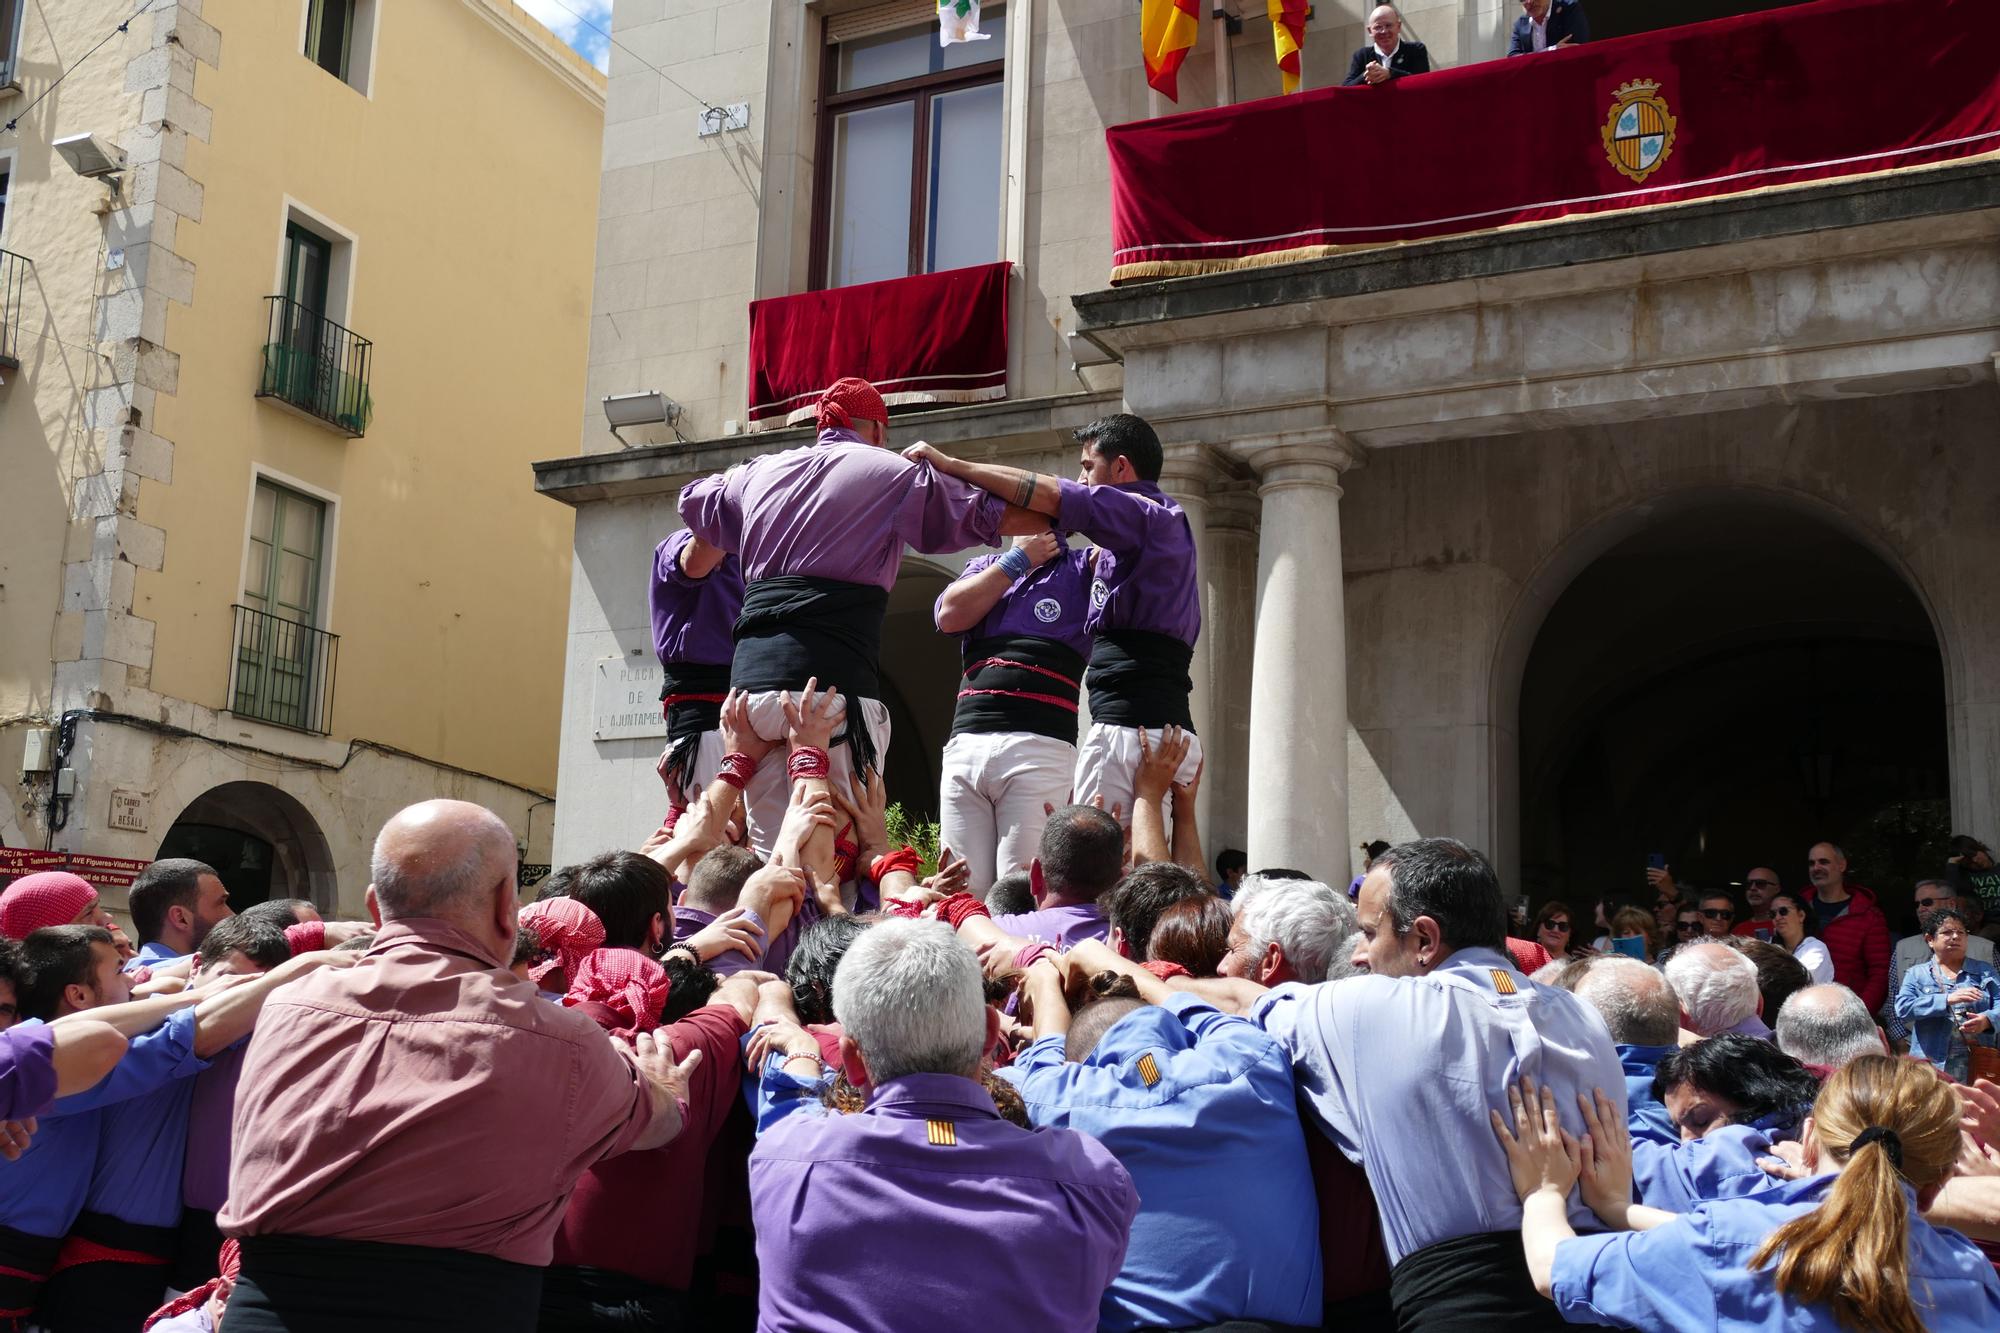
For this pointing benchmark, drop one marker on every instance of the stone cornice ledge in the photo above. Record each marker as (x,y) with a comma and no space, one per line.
(1904,195)
(1009,426)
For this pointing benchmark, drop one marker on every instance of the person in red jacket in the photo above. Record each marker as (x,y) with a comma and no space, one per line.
(1851,925)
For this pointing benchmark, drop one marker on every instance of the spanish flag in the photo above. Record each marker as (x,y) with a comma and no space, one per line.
(1167,31)
(1288,32)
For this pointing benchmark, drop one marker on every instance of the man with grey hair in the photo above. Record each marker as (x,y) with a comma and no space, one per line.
(928,1172)
(371,1095)
(1717,989)
(1643,1015)
(1290,930)
(1824,1027)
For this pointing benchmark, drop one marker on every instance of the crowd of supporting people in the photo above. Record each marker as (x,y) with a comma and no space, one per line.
(763,1070)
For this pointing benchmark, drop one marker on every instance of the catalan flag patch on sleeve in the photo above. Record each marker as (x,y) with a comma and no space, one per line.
(1503,982)
(1149,1069)
(943,1133)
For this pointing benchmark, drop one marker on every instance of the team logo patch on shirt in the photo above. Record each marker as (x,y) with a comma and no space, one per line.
(943,1133)
(1503,983)
(1098,593)
(1149,1069)
(1048,610)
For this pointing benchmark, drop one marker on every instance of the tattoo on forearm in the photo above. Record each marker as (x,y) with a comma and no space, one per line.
(1024,493)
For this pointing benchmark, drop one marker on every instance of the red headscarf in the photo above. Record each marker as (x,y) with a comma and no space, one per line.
(231,1264)
(848,401)
(568,929)
(47,898)
(625,981)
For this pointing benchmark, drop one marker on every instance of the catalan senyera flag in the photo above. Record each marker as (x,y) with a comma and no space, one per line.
(1167,29)
(1288,33)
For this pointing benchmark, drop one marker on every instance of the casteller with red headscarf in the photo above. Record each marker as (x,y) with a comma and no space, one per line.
(622,989)
(568,931)
(46,898)
(820,532)
(848,401)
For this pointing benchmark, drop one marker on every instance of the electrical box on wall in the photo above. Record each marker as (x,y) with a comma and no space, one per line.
(38,755)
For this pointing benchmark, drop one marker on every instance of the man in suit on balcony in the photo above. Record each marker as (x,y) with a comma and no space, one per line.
(1387,56)
(1545,25)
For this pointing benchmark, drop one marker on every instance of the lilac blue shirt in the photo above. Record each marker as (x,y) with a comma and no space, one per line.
(1146,564)
(1646,1115)
(694,619)
(840,509)
(928,1211)
(1051,601)
(1194,1103)
(46,1188)
(1722,1164)
(27,1070)
(1065,927)
(1394,1067)
(141,1153)
(1695,1272)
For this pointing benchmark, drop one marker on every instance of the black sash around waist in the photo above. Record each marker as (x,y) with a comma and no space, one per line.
(1140,679)
(21,1253)
(794,627)
(1471,1284)
(316,1284)
(1019,683)
(110,1274)
(692,695)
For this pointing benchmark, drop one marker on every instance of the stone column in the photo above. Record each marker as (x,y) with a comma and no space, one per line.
(1229,579)
(1189,476)
(1298,691)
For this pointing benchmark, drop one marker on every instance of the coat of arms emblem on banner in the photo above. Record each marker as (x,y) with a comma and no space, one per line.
(1639,132)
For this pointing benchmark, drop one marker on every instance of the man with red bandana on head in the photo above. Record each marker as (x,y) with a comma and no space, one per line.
(55,898)
(820,531)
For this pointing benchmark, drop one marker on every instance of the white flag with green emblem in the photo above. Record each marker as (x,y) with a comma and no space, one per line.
(958,21)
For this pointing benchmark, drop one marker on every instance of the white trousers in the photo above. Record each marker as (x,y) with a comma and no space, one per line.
(1108,761)
(991,797)
(771,790)
(707,763)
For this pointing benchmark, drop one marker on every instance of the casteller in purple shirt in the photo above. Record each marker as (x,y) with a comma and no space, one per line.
(1065,926)
(1051,601)
(1146,563)
(694,620)
(927,1211)
(839,508)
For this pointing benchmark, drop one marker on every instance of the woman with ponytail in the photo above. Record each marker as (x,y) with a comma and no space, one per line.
(1845,1248)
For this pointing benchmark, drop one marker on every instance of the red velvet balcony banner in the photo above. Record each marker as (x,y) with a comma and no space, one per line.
(1756,102)
(933,338)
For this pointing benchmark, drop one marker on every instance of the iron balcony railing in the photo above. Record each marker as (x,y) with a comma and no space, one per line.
(282,672)
(15,271)
(316,366)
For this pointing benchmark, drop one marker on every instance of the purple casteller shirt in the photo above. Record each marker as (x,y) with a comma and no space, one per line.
(1064,927)
(837,509)
(1146,575)
(27,1071)
(969,1222)
(205,1175)
(1048,602)
(694,620)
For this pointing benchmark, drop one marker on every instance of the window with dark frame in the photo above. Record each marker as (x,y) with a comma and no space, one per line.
(330,35)
(11,14)
(907,174)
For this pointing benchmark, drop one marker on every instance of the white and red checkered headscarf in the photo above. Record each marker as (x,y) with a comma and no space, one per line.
(625,981)
(849,400)
(567,929)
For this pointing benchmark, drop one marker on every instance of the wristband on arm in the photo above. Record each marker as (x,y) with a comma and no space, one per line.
(1015,562)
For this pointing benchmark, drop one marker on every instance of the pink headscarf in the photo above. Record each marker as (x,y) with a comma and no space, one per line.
(568,929)
(46,898)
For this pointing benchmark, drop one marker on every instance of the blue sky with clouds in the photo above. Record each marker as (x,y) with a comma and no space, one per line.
(573,20)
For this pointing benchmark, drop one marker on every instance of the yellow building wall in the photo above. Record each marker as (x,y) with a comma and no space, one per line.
(43,444)
(468,176)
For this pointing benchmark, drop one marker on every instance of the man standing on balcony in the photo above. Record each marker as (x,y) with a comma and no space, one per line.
(1387,56)
(697,593)
(1545,25)
(1023,617)
(820,531)
(1145,603)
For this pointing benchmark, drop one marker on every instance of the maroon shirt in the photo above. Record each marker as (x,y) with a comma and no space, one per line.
(425,1096)
(641,1215)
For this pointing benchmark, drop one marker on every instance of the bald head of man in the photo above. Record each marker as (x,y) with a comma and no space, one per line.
(450,860)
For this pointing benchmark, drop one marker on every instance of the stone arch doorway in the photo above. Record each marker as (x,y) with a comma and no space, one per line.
(1726,678)
(261,840)
(920,672)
